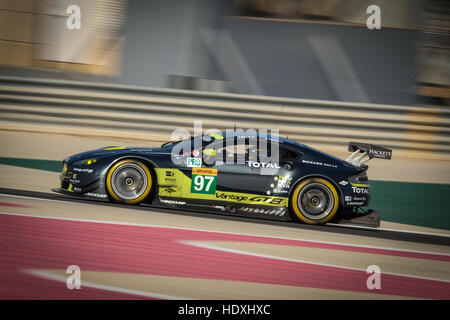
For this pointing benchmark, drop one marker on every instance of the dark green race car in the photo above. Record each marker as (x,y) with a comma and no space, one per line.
(240,174)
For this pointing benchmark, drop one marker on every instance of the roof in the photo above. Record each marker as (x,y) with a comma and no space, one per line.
(254,133)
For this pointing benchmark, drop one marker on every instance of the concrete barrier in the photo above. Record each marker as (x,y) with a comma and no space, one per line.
(117,110)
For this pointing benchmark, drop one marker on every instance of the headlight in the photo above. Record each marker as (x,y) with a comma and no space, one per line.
(64,167)
(88,162)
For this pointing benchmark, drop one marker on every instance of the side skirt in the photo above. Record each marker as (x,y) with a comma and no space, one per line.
(225,208)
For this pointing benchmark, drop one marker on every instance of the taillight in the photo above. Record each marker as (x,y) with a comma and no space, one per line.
(360,180)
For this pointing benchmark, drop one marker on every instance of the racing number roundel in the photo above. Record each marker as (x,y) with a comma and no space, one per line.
(204,180)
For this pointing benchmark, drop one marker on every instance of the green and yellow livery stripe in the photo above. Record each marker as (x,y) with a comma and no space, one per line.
(114,148)
(361,185)
(173,183)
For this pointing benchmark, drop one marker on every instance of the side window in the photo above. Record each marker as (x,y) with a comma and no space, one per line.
(288,154)
(265,151)
(231,151)
(234,151)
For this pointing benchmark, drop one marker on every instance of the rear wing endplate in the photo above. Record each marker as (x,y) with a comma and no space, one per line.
(363,152)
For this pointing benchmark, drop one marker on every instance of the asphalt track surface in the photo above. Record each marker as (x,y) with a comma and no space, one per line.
(134,252)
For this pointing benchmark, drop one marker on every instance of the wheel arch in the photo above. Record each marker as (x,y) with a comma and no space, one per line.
(327,178)
(313,175)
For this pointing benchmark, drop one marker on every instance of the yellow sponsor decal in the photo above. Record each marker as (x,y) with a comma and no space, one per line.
(250,198)
(204,171)
(170,182)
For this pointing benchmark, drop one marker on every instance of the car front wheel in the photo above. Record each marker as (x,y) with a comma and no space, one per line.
(129,181)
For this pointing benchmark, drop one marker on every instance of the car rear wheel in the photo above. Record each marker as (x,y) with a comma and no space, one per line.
(129,181)
(314,201)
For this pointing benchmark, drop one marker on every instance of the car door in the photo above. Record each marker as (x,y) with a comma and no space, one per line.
(239,169)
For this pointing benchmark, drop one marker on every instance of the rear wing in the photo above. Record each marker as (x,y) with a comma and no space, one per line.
(363,152)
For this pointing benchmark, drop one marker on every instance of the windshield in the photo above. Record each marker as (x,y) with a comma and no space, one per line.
(204,138)
(175,141)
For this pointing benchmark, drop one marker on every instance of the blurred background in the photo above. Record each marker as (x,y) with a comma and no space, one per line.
(312,49)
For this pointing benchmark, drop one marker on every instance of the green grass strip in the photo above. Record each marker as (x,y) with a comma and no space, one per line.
(421,204)
(46,165)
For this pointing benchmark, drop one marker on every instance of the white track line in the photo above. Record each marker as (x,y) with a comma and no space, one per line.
(223,232)
(50,276)
(202,244)
(352,226)
(37,198)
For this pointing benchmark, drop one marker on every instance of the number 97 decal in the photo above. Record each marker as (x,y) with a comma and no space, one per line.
(204,180)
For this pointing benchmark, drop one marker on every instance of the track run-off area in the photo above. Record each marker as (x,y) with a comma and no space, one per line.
(140,252)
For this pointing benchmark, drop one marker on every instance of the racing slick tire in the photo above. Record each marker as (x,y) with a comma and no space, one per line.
(314,201)
(129,181)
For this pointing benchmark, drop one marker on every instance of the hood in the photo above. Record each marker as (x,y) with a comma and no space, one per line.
(105,151)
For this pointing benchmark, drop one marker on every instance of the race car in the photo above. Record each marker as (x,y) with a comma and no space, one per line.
(237,173)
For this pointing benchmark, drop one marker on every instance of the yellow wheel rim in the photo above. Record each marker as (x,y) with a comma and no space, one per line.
(114,189)
(302,215)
